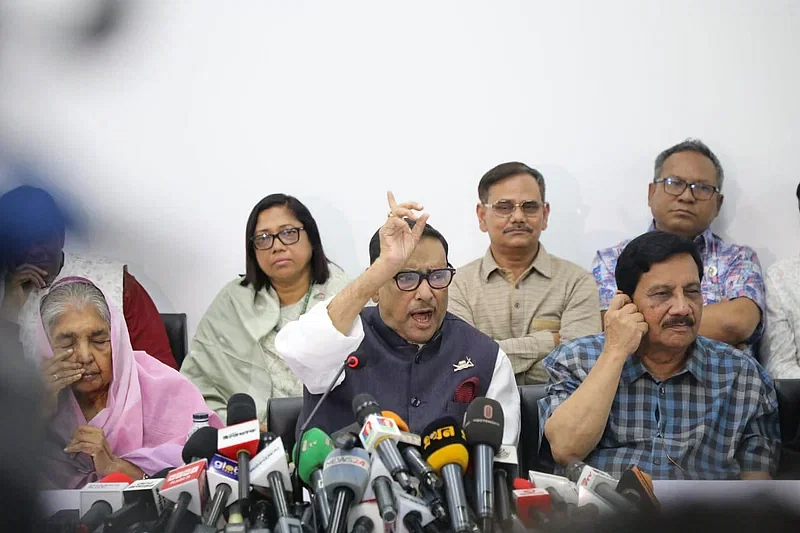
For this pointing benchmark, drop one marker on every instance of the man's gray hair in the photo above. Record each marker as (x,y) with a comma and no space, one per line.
(73,295)
(690,145)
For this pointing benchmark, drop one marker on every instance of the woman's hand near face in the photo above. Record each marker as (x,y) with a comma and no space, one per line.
(58,372)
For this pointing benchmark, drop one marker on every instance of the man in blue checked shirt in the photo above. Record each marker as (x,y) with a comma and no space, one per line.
(651,392)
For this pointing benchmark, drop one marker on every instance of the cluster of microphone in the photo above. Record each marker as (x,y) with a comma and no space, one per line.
(376,476)
(582,494)
(372,476)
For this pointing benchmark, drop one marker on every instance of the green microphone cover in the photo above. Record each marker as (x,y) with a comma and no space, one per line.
(314,449)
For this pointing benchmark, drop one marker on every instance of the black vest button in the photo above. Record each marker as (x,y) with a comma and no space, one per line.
(415,402)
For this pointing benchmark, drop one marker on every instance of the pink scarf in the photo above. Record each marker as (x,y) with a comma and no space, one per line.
(145,421)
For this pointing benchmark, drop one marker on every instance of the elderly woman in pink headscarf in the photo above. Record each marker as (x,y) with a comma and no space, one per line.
(110,409)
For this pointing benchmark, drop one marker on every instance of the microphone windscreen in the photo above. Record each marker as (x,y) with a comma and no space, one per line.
(201,445)
(484,423)
(401,424)
(364,405)
(347,469)
(443,443)
(314,449)
(265,438)
(117,477)
(573,470)
(241,408)
(522,484)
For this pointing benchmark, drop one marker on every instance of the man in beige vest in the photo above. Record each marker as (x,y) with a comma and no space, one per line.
(524,298)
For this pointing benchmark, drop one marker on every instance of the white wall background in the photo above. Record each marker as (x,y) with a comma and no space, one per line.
(167,136)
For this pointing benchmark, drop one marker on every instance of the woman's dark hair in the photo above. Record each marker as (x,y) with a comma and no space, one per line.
(646,250)
(319,261)
(429,231)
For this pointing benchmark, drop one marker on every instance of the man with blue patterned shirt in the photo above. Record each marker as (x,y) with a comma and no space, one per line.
(685,197)
(651,392)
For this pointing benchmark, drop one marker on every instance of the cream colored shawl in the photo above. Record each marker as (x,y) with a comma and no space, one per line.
(233,349)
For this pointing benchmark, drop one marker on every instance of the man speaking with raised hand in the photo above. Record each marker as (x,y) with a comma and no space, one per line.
(413,356)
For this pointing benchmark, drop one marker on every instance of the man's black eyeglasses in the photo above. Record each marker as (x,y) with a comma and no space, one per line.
(676,186)
(438,278)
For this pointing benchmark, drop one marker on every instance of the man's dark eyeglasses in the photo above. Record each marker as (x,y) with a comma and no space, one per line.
(264,241)
(676,186)
(439,278)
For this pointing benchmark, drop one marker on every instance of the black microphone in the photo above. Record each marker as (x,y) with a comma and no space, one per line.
(223,479)
(265,438)
(412,522)
(185,486)
(561,508)
(346,439)
(352,361)
(260,512)
(599,482)
(502,499)
(308,520)
(99,499)
(363,525)
(444,447)
(94,517)
(143,503)
(201,445)
(381,433)
(239,441)
(483,427)
(420,468)
(435,501)
(163,519)
(240,409)
(383,490)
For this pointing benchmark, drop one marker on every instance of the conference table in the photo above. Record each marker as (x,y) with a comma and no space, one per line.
(673,493)
(670,493)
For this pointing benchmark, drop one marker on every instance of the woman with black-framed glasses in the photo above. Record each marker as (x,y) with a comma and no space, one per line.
(287,273)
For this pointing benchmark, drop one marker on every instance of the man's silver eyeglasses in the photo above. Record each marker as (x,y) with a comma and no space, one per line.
(504,208)
(265,241)
(676,186)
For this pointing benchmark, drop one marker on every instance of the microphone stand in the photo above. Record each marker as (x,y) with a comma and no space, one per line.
(297,487)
